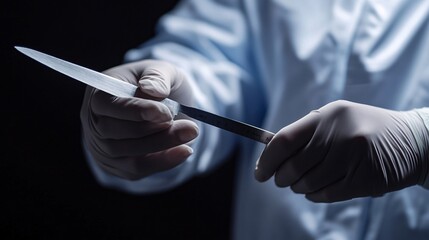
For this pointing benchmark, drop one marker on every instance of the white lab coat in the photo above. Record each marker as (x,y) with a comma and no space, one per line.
(270,62)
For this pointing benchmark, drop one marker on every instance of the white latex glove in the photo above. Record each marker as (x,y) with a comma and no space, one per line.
(346,150)
(136,137)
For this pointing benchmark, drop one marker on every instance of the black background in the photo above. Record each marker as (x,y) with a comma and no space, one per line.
(47,189)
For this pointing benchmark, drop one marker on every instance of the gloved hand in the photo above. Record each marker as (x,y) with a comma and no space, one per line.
(346,150)
(136,137)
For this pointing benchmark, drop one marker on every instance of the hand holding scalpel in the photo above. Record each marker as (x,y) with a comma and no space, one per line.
(120,88)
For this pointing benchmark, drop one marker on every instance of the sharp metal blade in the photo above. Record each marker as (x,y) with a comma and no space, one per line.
(95,79)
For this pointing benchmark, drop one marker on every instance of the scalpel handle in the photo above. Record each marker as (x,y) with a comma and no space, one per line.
(240,128)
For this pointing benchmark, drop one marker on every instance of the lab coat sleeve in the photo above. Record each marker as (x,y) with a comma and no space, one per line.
(209,41)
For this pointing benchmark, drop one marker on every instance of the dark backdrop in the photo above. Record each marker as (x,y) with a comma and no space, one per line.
(47,189)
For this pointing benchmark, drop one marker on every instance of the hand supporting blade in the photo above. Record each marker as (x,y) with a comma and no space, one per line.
(120,88)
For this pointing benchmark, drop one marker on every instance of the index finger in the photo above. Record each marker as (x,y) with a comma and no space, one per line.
(284,144)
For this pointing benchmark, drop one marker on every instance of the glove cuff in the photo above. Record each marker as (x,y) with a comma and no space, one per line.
(424,115)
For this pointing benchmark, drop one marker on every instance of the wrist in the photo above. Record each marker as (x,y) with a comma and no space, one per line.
(422,133)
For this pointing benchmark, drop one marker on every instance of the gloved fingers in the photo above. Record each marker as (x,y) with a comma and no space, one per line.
(133,109)
(331,193)
(155,83)
(164,160)
(302,161)
(357,181)
(180,132)
(156,79)
(341,181)
(112,128)
(159,78)
(320,176)
(121,173)
(129,72)
(286,142)
(139,167)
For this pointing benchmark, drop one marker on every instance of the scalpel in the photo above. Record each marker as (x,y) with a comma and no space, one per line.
(124,89)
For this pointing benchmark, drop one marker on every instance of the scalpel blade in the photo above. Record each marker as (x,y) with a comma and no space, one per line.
(124,89)
(95,79)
